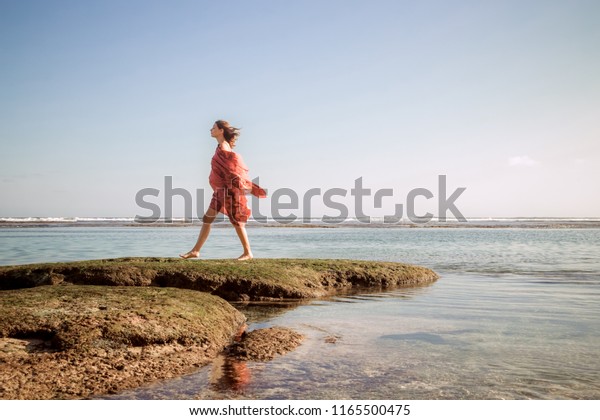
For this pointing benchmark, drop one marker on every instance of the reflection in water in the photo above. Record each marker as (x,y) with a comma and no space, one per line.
(357,295)
(263,312)
(229,374)
(257,312)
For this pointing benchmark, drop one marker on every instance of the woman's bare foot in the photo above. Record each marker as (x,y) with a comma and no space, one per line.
(245,256)
(191,254)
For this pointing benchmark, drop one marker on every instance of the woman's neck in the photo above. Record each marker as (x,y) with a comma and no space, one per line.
(224,144)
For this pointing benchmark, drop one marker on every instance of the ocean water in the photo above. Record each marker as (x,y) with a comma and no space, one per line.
(515,314)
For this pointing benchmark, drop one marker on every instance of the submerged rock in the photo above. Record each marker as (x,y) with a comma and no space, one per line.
(265,344)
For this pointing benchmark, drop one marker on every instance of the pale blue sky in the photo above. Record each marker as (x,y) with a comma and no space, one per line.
(99,99)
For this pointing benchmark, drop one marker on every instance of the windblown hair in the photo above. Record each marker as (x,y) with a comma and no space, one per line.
(230,132)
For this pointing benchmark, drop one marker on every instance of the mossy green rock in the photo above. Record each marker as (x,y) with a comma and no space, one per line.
(72,341)
(258,279)
(69,316)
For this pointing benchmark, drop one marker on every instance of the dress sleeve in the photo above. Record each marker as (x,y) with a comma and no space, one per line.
(235,172)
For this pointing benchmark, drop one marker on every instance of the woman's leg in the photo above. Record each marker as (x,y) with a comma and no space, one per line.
(240,229)
(207,220)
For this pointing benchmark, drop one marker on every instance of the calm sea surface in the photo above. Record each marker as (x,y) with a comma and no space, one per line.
(515,314)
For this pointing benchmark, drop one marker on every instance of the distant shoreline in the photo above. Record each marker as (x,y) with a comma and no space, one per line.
(478,223)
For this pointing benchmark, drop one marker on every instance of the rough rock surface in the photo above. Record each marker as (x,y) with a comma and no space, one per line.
(258,279)
(265,344)
(74,330)
(77,341)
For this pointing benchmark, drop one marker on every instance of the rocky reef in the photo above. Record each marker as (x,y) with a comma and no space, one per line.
(79,329)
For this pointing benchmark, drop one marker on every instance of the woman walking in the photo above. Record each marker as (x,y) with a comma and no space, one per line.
(230,182)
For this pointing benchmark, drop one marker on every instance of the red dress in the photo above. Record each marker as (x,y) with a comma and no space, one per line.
(230,183)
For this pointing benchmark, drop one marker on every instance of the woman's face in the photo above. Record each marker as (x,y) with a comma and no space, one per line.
(215,131)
